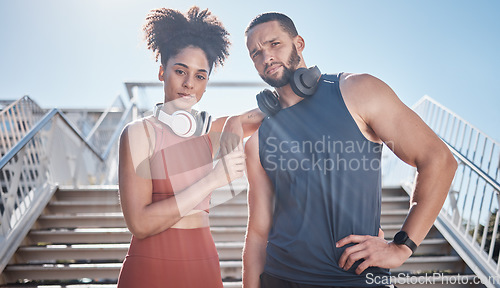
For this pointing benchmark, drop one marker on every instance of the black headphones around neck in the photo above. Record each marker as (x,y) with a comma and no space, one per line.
(303,82)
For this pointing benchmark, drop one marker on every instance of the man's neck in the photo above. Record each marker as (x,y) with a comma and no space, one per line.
(287,97)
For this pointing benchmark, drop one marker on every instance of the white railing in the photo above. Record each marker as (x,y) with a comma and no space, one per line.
(470,216)
(16,120)
(103,130)
(53,152)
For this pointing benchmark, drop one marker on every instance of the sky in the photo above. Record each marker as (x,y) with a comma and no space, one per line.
(71,54)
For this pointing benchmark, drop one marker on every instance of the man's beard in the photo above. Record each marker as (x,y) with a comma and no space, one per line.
(293,62)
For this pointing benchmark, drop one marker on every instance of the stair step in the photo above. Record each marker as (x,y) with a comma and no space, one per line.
(393,191)
(116,251)
(74,207)
(117,235)
(395,202)
(226,234)
(396,216)
(433,246)
(227,219)
(115,220)
(416,265)
(233,208)
(81,235)
(61,252)
(229,270)
(224,194)
(76,201)
(39,272)
(108,193)
(91,220)
(232,284)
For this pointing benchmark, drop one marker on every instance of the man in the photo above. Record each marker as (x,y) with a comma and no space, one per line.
(314,173)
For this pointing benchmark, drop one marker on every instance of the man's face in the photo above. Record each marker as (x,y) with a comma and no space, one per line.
(273,53)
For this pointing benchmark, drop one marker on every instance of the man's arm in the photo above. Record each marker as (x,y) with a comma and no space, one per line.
(415,143)
(260,199)
(238,127)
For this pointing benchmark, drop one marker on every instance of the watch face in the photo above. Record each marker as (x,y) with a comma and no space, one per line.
(400,237)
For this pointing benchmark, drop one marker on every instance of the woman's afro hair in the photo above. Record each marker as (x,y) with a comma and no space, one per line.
(168,31)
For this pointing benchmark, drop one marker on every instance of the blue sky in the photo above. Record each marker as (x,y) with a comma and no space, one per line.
(68,53)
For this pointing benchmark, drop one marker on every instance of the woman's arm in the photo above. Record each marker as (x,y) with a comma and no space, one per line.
(145,218)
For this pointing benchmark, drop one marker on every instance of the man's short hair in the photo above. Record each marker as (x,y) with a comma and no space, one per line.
(285,22)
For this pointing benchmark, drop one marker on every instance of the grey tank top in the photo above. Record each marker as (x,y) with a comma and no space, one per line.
(327,184)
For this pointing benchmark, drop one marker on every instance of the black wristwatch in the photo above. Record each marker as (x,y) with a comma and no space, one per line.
(402,238)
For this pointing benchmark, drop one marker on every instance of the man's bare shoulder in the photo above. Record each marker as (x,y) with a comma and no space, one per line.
(361,82)
(365,89)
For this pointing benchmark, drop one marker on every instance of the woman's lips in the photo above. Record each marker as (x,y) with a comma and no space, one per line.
(184,95)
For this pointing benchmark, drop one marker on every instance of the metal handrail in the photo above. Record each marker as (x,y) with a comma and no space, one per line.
(474,167)
(37,128)
(16,119)
(116,134)
(457,133)
(101,119)
(15,103)
(470,217)
(25,140)
(48,117)
(29,177)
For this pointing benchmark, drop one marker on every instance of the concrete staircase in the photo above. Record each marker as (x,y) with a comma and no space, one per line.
(81,239)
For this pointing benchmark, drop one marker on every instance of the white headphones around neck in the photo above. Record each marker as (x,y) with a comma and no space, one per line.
(183,123)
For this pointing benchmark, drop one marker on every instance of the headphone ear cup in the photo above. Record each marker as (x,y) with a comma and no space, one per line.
(183,123)
(268,102)
(203,123)
(304,81)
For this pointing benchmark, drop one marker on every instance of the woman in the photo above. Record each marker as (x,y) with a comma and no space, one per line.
(165,178)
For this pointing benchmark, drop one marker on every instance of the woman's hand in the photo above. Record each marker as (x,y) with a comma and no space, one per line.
(230,167)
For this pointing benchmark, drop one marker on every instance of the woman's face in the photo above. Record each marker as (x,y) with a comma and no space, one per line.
(185,78)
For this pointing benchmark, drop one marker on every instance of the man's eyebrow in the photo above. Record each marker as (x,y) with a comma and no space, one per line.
(265,42)
(187,67)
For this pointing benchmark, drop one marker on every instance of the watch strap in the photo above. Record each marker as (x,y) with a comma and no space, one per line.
(411,245)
